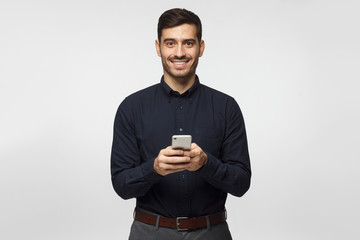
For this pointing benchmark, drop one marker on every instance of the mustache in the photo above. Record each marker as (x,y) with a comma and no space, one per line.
(180,58)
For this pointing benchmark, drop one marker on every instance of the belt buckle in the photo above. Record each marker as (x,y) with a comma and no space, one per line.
(178,224)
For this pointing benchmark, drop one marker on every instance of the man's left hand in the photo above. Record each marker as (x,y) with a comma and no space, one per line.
(198,157)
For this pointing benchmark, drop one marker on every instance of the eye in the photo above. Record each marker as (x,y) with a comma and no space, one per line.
(170,44)
(189,44)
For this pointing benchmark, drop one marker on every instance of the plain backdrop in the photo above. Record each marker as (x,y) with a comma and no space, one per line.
(293,67)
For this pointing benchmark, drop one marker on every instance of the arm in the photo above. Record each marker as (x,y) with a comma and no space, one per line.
(232,172)
(131,176)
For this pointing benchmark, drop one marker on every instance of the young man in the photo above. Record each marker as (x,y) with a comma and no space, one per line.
(180,194)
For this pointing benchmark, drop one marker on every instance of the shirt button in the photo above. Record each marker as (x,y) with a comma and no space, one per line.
(180,129)
(181,107)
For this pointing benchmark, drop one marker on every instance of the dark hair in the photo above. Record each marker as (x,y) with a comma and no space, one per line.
(177,16)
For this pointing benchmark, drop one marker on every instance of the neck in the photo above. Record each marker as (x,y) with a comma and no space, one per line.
(180,85)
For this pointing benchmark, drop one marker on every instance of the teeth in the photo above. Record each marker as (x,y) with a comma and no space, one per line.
(179,63)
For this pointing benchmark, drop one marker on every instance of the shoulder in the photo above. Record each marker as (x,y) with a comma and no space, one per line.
(140,97)
(223,103)
(142,94)
(137,99)
(216,94)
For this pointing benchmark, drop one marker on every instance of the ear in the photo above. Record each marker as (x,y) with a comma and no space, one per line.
(157,45)
(202,48)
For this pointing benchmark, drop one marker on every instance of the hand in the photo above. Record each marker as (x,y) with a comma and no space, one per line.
(170,160)
(198,157)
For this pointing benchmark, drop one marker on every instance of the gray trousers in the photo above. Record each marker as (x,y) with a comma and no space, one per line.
(143,231)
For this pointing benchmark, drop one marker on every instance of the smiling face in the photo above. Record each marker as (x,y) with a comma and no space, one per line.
(180,50)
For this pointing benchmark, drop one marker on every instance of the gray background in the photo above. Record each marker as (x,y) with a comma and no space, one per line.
(293,67)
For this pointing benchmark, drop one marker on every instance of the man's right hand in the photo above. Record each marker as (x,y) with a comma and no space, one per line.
(170,160)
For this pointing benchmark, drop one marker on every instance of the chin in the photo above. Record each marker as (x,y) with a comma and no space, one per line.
(182,77)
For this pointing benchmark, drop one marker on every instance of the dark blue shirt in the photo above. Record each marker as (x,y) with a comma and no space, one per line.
(144,124)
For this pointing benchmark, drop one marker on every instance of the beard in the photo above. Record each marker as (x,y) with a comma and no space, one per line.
(182,75)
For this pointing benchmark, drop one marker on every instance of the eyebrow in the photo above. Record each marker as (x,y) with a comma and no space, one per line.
(174,40)
(190,40)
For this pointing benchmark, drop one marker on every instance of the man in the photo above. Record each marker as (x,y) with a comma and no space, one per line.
(180,194)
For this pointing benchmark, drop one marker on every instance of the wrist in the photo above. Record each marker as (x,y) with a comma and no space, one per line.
(205,157)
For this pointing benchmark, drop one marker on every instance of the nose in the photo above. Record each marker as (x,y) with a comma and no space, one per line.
(180,51)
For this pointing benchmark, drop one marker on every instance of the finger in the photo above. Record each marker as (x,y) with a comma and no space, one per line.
(194,153)
(193,146)
(173,167)
(187,153)
(174,160)
(172,152)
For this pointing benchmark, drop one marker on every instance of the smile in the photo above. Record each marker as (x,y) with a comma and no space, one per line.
(180,63)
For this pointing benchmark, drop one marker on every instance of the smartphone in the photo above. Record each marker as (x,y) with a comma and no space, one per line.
(181,142)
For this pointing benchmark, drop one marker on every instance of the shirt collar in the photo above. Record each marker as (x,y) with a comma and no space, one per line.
(190,91)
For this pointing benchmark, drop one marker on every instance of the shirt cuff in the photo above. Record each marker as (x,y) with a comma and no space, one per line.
(210,167)
(149,173)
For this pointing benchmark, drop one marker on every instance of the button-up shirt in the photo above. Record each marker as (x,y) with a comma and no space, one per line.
(144,124)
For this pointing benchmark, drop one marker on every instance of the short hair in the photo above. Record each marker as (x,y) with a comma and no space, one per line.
(177,16)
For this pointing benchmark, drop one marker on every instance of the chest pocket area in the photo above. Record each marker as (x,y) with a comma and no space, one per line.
(209,139)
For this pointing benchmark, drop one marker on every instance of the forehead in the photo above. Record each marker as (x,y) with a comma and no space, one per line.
(183,31)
